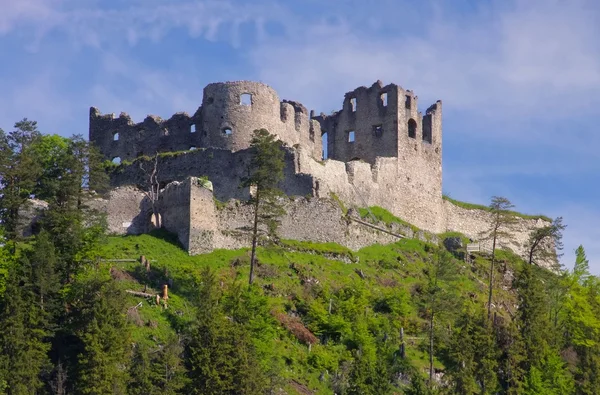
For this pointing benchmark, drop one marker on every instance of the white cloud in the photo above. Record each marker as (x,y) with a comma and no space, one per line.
(535,59)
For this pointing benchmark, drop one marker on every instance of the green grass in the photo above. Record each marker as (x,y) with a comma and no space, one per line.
(339,202)
(385,216)
(385,300)
(473,206)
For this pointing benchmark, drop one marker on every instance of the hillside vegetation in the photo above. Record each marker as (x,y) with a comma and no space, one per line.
(82,312)
(373,294)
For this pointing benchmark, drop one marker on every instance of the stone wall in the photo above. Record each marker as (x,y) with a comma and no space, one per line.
(224,168)
(127,208)
(473,223)
(225,121)
(189,210)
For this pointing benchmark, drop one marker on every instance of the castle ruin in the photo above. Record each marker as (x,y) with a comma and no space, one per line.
(380,151)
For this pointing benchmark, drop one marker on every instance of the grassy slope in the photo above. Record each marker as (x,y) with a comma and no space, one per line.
(392,273)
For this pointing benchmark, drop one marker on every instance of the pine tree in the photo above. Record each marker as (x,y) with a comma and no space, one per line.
(501,221)
(221,356)
(437,296)
(545,242)
(104,336)
(140,372)
(264,173)
(23,334)
(532,316)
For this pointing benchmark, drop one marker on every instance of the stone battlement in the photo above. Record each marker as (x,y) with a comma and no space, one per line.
(229,114)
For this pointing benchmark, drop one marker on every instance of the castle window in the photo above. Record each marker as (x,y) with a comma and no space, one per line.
(193,128)
(378,130)
(427,135)
(165,131)
(227,131)
(116,160)
(408,102)
(192,148)
(115,136)
(246,99)
(384,98)
(351,136)
(324,139)
(412,129)
(353,104)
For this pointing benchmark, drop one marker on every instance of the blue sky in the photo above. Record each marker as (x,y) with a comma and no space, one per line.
(520,80)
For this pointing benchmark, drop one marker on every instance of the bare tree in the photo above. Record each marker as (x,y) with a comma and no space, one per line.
(151,175)
(544,242)
(500,224)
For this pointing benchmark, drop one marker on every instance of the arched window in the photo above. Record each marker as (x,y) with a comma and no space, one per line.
(412,129)
(227,131)
(115,136)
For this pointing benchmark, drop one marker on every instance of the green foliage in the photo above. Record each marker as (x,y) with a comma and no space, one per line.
(339,201)
(265,171)
(318,317)
(102,330)
(385,216)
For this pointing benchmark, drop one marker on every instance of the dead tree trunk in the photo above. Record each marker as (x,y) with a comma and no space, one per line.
(153,189)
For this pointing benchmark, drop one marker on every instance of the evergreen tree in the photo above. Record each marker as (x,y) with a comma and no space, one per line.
(501,221)
(473,355)
(437,296)
(221,357)
(545,242)
(23,334)
(102,365)
(265,171)
(140,372)
(532,316)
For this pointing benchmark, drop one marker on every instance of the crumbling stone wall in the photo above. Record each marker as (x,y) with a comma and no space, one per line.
(224,168)
(474,223)
(127,208)
(223,121)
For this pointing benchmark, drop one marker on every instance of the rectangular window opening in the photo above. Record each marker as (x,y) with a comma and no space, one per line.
(246,99)
(193,128)
(353,104)
(351,136)
(384,99)
(408,102)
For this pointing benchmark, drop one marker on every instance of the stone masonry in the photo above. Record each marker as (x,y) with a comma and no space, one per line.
(381,151)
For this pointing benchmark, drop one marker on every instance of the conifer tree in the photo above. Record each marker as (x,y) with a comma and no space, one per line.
(102,363)
(437,296)
(264,173)
(500,224)
(545,242)
(23,334)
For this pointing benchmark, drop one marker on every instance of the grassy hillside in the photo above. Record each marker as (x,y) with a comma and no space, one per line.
(372,293)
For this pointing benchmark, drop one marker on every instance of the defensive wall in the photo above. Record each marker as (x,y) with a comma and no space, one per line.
(381,152)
